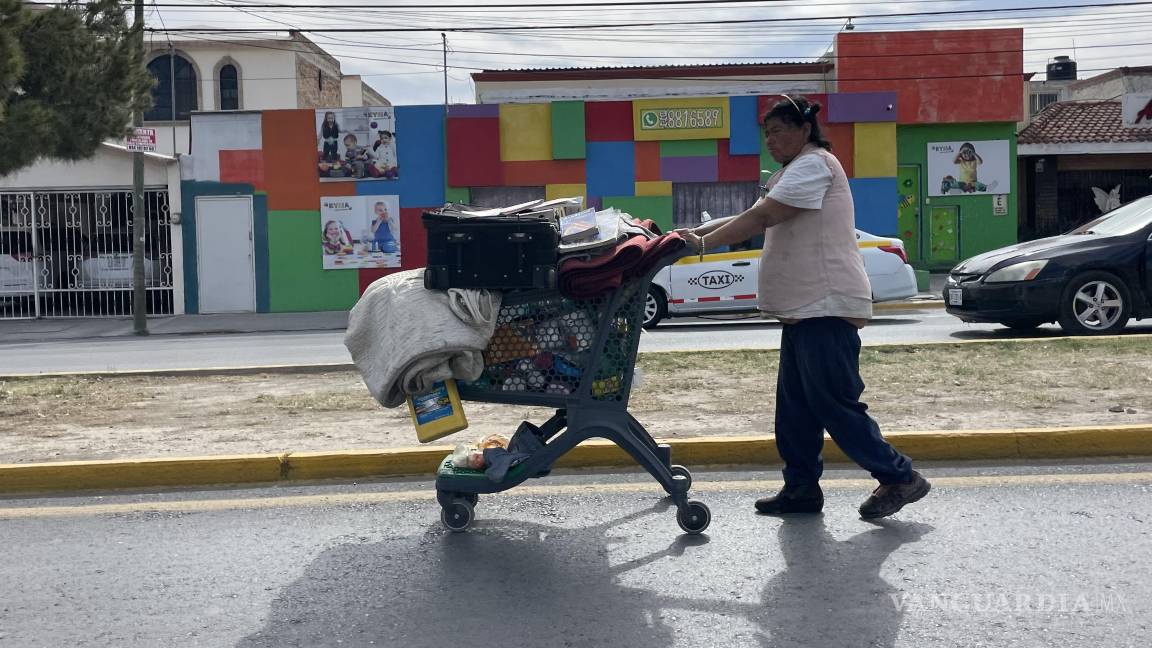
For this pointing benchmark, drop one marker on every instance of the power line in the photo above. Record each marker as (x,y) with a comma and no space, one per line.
(568,6)
(641,75)
(734,21)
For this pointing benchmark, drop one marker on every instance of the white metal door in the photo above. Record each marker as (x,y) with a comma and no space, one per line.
(224,254)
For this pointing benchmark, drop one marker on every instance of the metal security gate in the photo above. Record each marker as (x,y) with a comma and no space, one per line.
(69,254)
(719,199)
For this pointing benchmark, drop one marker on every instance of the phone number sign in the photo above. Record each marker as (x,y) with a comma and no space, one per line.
(672,119)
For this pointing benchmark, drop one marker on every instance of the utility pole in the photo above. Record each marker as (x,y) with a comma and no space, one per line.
(139,290)
(444,39)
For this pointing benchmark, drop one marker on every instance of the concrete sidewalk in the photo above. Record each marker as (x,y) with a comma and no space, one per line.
(43,330)
(46,330)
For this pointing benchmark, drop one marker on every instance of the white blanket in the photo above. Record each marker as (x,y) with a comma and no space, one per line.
(403,338)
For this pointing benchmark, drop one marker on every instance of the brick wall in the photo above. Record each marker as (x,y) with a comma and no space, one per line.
(315,86)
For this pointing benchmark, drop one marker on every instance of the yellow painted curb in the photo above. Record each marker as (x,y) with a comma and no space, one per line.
(918,305)
(139,473)
(1033,443)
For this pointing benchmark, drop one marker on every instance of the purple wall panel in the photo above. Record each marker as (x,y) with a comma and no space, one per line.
(474,110)
(689,169)
(849,107)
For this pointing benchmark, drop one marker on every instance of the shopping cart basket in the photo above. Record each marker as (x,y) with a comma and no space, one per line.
(577,356)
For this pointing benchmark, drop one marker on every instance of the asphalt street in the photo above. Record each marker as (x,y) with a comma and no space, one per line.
(235,350)
(1004,555)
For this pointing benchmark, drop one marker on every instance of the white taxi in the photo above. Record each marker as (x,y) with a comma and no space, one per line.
(725,282)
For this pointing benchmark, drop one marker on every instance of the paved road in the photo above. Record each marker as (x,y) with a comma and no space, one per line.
(1041,556)
(173,352)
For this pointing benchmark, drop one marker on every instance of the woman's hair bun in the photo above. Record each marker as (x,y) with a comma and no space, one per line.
(813,109)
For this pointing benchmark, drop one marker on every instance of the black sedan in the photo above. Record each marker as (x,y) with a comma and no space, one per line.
(1091,280)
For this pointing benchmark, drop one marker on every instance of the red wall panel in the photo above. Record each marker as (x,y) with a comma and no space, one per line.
(736,168)
(939,76)
(243,167)
(413,247)
(474,153)
(608,121)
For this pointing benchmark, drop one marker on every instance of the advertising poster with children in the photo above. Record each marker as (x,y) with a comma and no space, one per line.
(356,144)
(360,232)
(978,167)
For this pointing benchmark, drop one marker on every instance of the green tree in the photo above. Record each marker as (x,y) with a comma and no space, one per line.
(70,77)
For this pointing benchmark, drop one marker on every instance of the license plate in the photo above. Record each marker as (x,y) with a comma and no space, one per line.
(118,262)
(955,297)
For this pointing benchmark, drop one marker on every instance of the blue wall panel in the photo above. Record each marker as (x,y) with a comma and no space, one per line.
(876,204)
(745,130)
(611,168)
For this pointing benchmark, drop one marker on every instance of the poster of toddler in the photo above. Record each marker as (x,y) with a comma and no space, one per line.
(360,232)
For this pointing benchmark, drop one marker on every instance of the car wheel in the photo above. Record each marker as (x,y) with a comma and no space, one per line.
(655,307)
(1022,325)
(1094,303)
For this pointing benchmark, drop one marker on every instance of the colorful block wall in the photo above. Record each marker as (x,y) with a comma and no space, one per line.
(277,167)
(591,149)
(599,150)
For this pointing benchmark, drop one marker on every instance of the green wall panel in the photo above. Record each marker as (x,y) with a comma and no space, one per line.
(297,279)
(568,130)
(978,229)
(461,195)
(658,208)
(688,148)
(766,161)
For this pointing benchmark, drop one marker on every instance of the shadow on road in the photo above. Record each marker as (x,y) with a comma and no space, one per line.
(511,583)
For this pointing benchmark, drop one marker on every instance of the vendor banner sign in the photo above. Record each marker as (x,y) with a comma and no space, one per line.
(978,167)
(356,144)
(680,119)
(360,232)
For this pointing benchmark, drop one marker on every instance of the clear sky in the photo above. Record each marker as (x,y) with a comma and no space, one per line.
(407,67)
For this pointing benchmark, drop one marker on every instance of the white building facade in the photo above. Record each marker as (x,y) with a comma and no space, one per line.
(65,227)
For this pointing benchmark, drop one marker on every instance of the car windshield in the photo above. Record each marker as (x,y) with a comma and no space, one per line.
(1125,219)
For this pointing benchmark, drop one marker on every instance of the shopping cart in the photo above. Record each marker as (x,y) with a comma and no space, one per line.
(577,356)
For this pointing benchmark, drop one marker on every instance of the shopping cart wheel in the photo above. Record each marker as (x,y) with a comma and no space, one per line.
(681,471)
(458,515)
(694,517)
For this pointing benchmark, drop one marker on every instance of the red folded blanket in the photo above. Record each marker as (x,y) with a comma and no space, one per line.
(632,259)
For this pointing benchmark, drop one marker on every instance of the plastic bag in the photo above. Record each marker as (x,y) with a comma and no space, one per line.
(468,456)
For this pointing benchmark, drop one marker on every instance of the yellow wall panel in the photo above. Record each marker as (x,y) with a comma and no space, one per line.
(875,150)
(654,188)
(525,132)
(552,192)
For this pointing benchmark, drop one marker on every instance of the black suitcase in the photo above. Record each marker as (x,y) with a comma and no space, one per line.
(498,252)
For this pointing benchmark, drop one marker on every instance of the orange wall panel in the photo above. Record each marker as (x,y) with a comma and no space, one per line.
(647,161)
(290,156)
(541,173)
(843,140)
(939,76)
